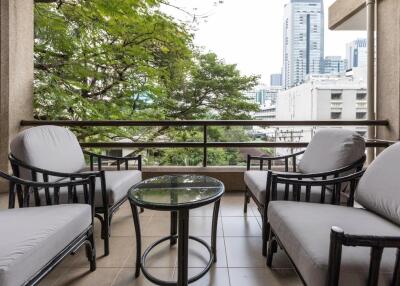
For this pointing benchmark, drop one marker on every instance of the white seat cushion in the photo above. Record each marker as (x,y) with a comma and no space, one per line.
(378,189)
(256,181)
(331,149)
(118,184)
(304,230)
(31,237)
(48,147)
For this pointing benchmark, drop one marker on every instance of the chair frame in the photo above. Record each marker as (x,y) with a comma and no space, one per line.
(338,238)
(104,213)
(263,206)
(23,189)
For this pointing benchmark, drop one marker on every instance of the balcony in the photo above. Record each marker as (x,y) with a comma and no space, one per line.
(239,236)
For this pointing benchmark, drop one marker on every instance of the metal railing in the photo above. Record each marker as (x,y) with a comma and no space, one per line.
(205,144)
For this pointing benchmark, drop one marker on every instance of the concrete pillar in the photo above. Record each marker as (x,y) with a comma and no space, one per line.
(16,71)
(388,68)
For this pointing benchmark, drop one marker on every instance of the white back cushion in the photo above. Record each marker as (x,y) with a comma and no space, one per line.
(332,149)
(379,188)
(48,147)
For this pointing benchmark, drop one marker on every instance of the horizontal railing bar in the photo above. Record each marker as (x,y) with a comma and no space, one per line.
(208,144)
(121,123)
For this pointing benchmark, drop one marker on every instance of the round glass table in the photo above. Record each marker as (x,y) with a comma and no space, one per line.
(176,194)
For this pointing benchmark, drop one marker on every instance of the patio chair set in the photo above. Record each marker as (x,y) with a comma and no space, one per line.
(311,213)
(58,199)
(310,209)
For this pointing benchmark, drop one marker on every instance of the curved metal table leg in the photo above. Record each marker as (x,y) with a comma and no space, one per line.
(214,229)
(174,227)
(183,243)
(136,222)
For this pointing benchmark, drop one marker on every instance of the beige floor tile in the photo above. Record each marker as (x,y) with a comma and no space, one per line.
(262,277)
(244,252)
(215,277)
(241,226)
(203,211)
(3,201)
(126,276)
(281,260)
(157,226)
(162,255)
(199,256)
(122,224)
(52,278)
(201,226)
(121,248)
(232,205)
(82,276)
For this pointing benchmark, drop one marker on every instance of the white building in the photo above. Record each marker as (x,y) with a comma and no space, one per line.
(323,97)
(357,53)
(265,97)
(303,40)
(334,65)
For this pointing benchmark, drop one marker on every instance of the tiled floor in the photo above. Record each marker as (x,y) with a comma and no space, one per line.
(238,248)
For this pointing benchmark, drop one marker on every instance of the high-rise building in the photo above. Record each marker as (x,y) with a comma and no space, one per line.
(357,53)
(303,40)
(276,79)
(334,65)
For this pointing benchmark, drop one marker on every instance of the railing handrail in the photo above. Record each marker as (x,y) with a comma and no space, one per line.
(110,123)
(205,144)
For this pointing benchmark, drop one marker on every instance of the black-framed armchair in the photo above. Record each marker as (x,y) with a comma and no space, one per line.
(341,244)
(34,240)
(51,154)
(330,153)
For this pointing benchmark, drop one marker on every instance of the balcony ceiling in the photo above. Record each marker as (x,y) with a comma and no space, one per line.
(348,15)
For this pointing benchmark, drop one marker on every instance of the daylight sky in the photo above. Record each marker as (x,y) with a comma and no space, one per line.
(249,33)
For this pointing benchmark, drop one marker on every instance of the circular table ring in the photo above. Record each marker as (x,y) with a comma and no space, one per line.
(171,283)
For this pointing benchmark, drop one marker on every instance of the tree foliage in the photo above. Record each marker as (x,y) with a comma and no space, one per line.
(127,60)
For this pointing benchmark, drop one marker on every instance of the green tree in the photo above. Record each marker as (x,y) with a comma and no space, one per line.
(126,59)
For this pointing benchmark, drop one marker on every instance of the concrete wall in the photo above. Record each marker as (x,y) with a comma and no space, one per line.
(388,68)
(16,70)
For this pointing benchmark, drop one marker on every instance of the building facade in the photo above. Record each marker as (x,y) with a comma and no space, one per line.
(334,65)
(303,41)
(323,97)
(276,79)
(357,53)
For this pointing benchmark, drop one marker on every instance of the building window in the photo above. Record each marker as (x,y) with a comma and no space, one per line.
(361,115)
(336,96)
(361,96)
(336,115)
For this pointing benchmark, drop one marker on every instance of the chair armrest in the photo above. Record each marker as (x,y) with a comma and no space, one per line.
(119,160)
(276,158)
(339,238)
(297,181)
(24,189)
(35,170)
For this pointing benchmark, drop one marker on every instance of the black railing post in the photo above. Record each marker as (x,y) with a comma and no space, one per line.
(205,145)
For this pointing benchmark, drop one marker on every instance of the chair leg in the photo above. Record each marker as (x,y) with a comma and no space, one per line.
(265,232)
(272,248)
(91,252)
(265,237)
(246,200)
(106,226)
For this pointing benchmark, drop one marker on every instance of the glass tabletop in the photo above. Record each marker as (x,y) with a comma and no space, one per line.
(176,191)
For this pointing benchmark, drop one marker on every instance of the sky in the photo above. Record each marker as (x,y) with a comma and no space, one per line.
(249,33)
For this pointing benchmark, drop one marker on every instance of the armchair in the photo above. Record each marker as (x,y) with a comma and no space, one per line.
(53,154)
(36,239)
(343,245)
(331,153)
